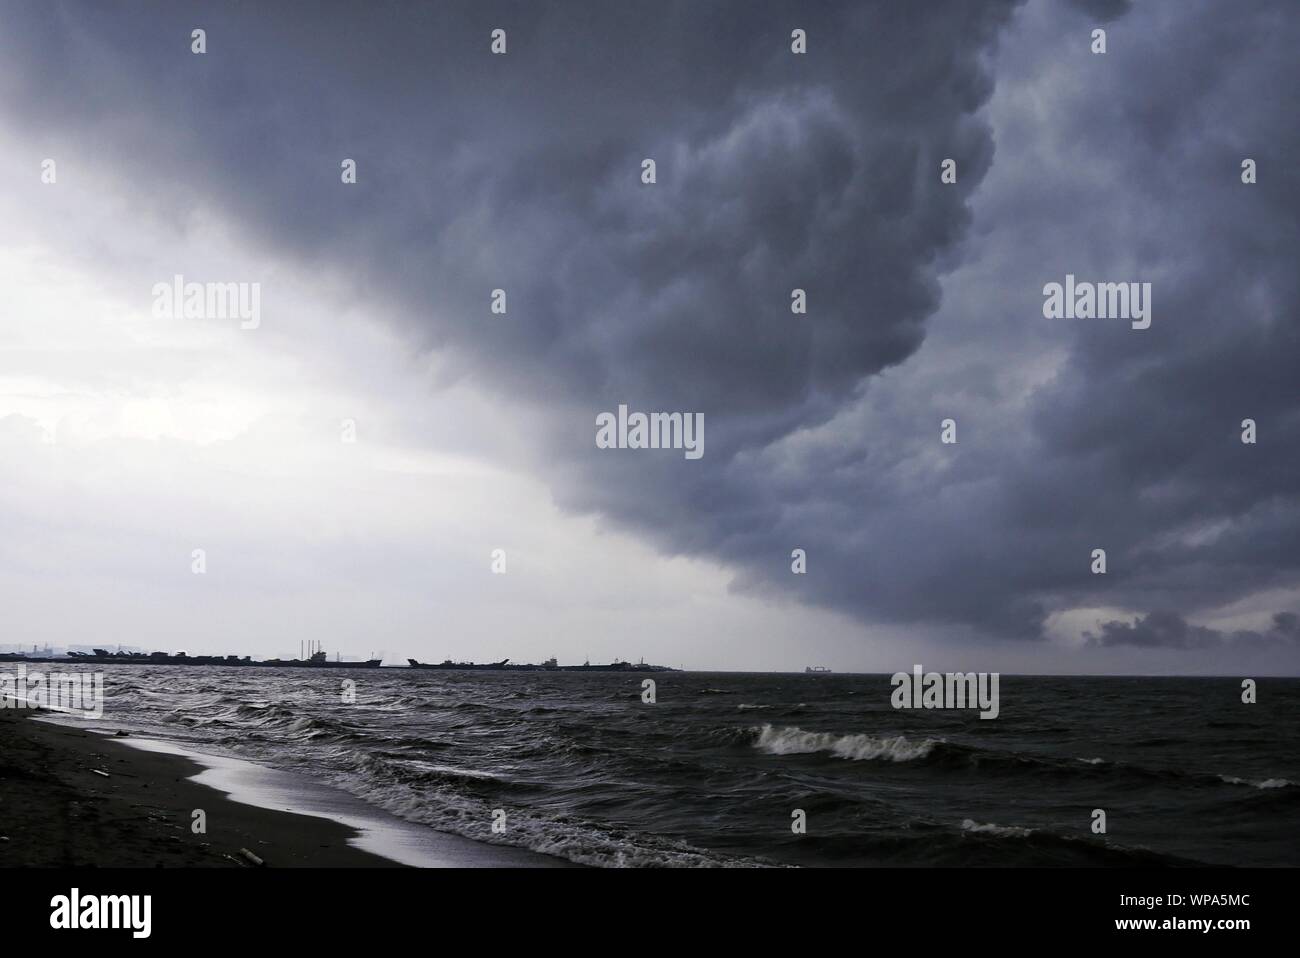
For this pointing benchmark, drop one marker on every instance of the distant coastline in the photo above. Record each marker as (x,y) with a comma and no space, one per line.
(317,660)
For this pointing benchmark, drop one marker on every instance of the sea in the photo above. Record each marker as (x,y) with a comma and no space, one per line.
(775,770)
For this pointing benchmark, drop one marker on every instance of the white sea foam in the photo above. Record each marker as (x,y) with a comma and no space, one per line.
(1004,831)
(1266,783)
(858,748)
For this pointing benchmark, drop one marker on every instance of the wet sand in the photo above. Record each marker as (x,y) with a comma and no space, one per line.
(56,810)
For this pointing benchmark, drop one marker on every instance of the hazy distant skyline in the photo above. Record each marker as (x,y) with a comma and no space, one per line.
(128,441)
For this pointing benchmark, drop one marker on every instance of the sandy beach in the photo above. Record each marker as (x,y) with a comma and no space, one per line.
(76,798)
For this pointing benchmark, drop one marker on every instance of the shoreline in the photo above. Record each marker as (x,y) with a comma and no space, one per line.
(71,797)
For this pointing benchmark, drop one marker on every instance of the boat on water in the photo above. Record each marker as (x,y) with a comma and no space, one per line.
(550,665)
(817,670)
(449,666)
(617,666)
(319,660)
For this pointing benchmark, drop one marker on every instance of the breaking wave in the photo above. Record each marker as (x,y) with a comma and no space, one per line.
(1002,831)
(1266,783)
(858,748)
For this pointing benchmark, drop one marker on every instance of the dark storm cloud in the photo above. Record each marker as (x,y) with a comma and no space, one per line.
(1102,10)
(1148,426)
(778,171)
(521,172)
(1170,630)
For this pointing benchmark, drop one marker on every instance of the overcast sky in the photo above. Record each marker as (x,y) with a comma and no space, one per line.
(127,441)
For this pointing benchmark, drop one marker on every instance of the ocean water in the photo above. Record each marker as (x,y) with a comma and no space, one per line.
(711,773)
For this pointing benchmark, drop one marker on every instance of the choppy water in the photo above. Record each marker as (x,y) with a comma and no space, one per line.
(711,773)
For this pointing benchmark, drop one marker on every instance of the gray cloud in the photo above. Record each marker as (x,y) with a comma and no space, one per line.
(776,172)
(1103,10)
(1170,630)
